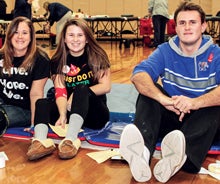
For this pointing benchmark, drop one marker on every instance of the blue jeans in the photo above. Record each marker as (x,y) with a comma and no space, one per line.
(18,117)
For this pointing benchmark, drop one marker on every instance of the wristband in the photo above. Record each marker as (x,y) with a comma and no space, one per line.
(60,92)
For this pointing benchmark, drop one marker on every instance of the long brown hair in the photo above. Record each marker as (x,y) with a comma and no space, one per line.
(8,51)
(97,57)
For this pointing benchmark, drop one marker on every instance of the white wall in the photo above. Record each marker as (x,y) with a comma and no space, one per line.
(119,7)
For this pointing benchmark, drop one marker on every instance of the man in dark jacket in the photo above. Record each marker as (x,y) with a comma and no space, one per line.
(3,6)
(23,8)
(57,13)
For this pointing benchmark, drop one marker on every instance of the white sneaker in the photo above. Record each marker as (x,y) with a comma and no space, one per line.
(133,150)
(173,156)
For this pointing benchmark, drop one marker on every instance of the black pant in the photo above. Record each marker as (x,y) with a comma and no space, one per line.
(159,25)
(90,107)
(199,128)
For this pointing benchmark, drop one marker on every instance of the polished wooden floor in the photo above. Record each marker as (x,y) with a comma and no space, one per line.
(82,169)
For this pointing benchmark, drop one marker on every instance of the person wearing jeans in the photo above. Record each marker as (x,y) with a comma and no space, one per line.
(24,72)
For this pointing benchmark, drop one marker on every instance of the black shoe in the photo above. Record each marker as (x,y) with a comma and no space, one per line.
(153,46)
(53,46)
(3,122)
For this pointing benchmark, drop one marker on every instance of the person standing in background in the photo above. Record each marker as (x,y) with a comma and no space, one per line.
(22,8)
(57,13)
(158,9)
(3,7)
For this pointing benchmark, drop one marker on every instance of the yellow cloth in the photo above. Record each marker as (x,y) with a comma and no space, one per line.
(101,156)
(59,130)
(214,168)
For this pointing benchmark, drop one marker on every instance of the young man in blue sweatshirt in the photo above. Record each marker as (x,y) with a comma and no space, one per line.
(185,110)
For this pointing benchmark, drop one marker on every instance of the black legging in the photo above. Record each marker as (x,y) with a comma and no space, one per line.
(91,108)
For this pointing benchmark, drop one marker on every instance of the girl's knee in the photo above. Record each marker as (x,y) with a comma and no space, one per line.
(41,102)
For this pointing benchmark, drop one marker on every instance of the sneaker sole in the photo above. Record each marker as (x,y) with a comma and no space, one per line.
(131,149)
(65,157)
(173,156)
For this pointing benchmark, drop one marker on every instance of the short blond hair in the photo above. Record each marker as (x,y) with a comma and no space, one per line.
(45,5)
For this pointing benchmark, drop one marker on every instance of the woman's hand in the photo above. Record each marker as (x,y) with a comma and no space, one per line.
(61,121)
(28,129)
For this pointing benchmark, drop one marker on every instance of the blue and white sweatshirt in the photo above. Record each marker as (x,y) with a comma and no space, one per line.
(190,76)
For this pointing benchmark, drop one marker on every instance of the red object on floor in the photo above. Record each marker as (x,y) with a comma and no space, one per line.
(146,26)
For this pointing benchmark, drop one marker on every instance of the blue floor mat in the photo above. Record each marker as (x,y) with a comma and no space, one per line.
(121,102)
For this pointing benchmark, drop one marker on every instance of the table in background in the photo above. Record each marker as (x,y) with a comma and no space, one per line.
(213,26)
(40,21)
(113,28)
(41,33)
(3,26)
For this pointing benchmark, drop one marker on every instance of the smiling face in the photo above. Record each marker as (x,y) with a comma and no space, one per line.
(190,28)
(75,40)
(21,39)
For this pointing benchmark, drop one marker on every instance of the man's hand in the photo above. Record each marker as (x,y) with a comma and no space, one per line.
(47,27)
(169,104)
(184,104)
